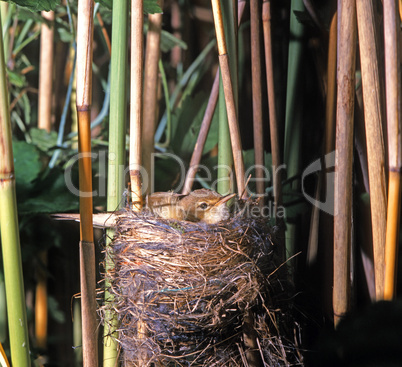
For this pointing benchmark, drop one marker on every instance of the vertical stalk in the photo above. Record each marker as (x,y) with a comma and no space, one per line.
(229,96)
(87,250)
(118,105)
(10,241)
(255,15)
(344,156)
(330,109)
(44,122)
(225,156)
(45,73)
(273,123)
(393,94)
(77,332)
(293,118)
(373,115)
(151,79)
(116,161)
(205,125)
(202,135)
(137,21)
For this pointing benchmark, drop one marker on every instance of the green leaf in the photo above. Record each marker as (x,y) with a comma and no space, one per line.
(43,139)
(150,6)
(50,195)
(27,163)
(106,3)
(168,41)
(186,123)
(16,79)
(24,15)
(36,5)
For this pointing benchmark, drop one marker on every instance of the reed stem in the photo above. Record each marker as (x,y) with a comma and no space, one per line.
(10,240)
(87,249)
(151,80)
(136,101)
(344,157)
(393,102)
(231,108)
(273,123)
(258,131)
(206,123)
(373,116)
(116,162)
(46,73)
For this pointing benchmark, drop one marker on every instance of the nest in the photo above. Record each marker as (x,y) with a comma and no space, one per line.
(192,294)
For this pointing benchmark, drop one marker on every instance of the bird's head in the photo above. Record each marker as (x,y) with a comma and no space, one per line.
(205,205)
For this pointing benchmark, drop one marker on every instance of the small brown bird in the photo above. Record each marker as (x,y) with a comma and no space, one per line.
(198,206)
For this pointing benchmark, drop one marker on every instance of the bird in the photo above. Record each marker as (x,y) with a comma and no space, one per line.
(200,205)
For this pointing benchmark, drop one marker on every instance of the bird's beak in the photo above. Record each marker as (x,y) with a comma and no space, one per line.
(225,199)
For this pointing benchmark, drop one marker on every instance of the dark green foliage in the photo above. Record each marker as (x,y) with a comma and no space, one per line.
(37,5)
(39,189)
(150,6)
(186,123)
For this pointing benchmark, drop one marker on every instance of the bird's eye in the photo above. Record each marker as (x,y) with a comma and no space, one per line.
(203,206)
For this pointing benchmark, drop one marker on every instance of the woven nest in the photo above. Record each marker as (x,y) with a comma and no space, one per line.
(191,294)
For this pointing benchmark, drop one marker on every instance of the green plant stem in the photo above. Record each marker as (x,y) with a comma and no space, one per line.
(118,104)
(293,119)
(10,242)
(116,164)
(7,11)
(225,156)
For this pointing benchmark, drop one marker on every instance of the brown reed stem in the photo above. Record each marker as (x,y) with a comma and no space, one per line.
(255,15)
(202,136)
(273,123)
(44,122)
(229,97)
(206,122)
(151,79)
(344,157)
(46,74)
(393,102)
(137,54)
(87,250)
(375,143)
